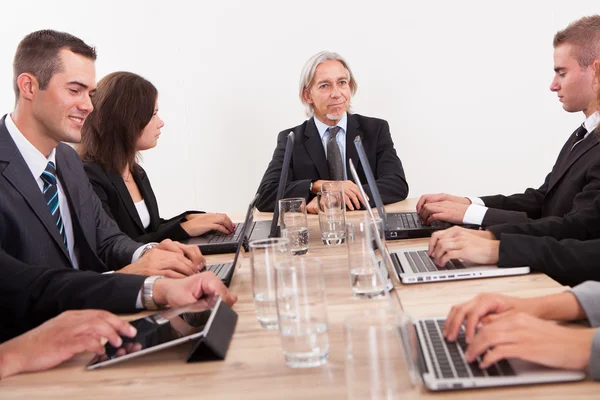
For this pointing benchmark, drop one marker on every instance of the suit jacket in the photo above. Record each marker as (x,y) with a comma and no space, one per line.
(28,233)
(118,204)
(571,185)
(31,295)
(588,296)
(308,162)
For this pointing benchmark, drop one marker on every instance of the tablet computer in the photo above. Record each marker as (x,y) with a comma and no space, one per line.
(162,330)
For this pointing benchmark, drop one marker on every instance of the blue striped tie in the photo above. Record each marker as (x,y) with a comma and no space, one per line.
(51,196)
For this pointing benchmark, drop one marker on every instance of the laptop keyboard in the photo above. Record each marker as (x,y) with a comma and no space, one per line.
(448,357)
(220,237)
(413,221)
(221,270)
(421,262)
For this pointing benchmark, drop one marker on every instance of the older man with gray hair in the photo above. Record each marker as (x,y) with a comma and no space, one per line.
(324,142)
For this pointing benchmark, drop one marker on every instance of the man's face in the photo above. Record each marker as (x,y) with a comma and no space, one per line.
(572,83)
(330,92)
(61,109)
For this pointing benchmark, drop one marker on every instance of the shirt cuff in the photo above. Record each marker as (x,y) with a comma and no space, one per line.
(474,214)
(137,253)
(476,201)
(138,301)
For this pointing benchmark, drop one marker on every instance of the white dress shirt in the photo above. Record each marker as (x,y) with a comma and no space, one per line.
(142,211)
(340,138)
(476,211)
(37,163)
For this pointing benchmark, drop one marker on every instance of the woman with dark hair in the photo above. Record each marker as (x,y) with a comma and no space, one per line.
(124,122)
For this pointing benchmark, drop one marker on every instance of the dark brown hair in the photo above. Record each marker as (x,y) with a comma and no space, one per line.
(584,36)
(123,105)
(38,54)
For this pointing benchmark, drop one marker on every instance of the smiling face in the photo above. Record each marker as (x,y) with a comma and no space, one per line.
(573,84)
(330,92)
(61,109)
(149,136)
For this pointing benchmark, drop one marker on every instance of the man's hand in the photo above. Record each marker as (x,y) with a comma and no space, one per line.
(191,252)
(312,207)
(352,195)
(443,211)
(520,335)
(189,290)
(161,262)
(473,311)
(60,338)
(198,224)
(463,244)
(436,198)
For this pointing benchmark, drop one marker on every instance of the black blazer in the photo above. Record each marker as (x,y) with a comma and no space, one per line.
(31,295)
(309,163)
(118,204)
(571,185)
(27,231)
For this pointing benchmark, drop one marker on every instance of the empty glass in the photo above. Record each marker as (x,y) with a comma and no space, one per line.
(377,366)
(368,274)
(332,217)
(294,226)
(302,312)
(264,256)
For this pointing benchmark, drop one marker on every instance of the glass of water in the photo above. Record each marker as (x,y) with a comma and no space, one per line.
(294,226)
(380,356)
(302,312)
(264,254)
(367,276)
(332,217)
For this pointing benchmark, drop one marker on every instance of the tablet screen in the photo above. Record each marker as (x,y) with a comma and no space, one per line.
(161,330)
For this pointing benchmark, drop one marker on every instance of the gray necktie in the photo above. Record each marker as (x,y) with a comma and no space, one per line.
(334,155)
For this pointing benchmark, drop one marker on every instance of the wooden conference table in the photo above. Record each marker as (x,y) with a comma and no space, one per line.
(254,367)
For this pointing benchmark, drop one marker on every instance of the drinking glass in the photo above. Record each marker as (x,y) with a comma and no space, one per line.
(332,217)
(294,226)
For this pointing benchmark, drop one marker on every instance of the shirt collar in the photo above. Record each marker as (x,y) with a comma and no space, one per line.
(34,159)
(322,128)
(592,121)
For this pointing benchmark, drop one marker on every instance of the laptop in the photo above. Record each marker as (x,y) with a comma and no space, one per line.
(415,266)
(216,242)
(399,225)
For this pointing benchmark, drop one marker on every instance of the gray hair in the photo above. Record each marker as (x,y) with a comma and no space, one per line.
(308,74)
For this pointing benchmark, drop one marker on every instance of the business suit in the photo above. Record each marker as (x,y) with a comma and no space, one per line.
(27,231)
(309,163)
(588,296)
(118,204)
(31,295)
(571,185)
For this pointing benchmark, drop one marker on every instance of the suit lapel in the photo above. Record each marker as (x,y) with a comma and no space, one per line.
(352,131)
(18,174)
(119,185)
(314,147)
(569,157)
(141,179)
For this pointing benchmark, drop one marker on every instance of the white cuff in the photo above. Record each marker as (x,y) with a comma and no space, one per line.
(138,302)
(474,214)
(476,200)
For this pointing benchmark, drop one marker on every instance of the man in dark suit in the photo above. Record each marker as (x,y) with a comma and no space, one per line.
(31,295)
(49,214)
(575,178)
(325,142)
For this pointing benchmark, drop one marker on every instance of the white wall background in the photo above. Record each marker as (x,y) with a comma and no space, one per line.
(464,84)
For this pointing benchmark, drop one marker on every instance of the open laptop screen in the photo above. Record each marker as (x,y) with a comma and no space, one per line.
(362,155)
(289,146)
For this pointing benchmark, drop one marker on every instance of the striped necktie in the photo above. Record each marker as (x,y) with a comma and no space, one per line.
(50,191)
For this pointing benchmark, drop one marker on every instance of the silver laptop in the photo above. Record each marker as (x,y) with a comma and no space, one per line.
(415,266)
(442,364)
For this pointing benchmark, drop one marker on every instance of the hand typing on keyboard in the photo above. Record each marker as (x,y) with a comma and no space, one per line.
(499,327)
(442,207)
(199,224)
(477,247)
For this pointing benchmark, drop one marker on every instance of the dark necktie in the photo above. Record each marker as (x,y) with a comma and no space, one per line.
(50,191)
(334,155)
(579,134)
